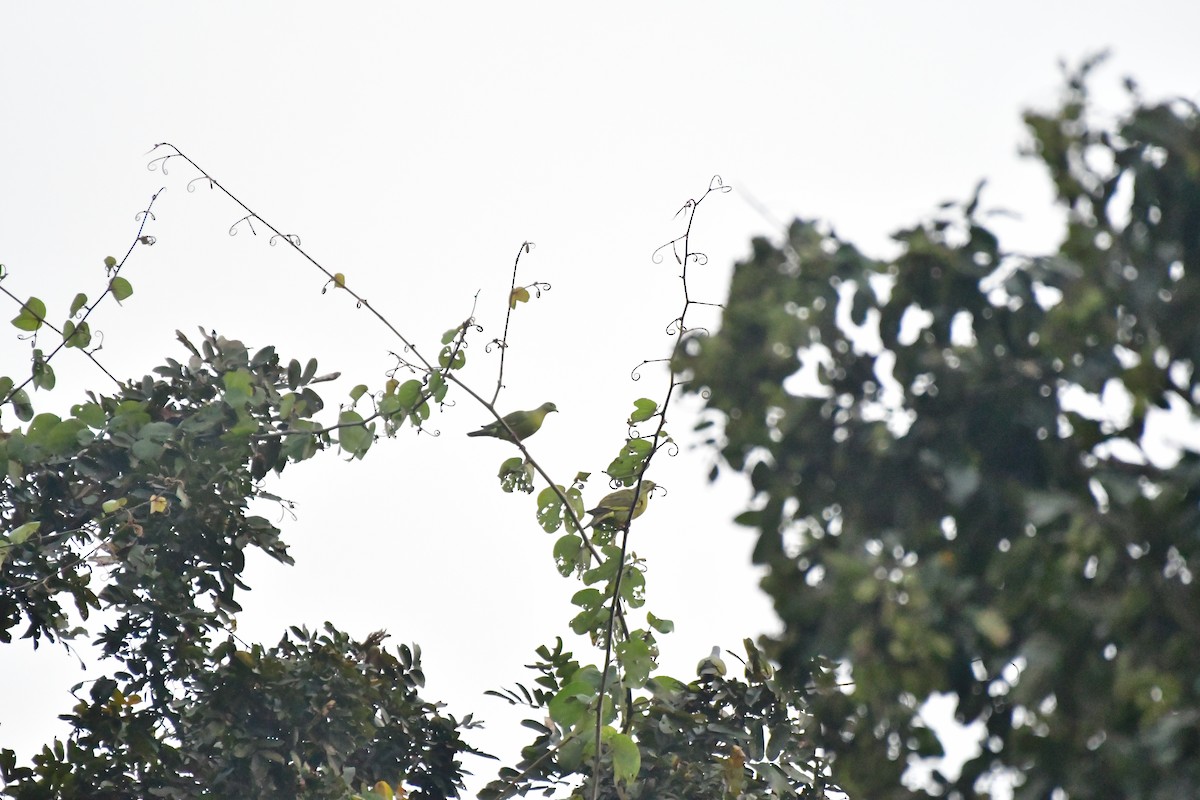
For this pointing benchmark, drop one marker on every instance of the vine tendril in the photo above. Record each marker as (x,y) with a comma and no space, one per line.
(249,220)
(677,328)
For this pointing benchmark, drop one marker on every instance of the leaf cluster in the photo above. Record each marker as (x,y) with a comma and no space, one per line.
(713,737)
(138,504)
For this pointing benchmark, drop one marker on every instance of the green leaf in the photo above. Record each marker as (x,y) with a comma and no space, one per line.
(590,621)
(33,313)
(419,414)
(629,463)
(16,538)
(157,432)
(518,295)
(43,373)
(666,688)
(358,391)
(239,388)
(356,437)
(606,571)
(41,426)
(571,703)
(298,446)
(627,761)
(287,404)
(637,659)
(22,406)
(550,513)
(110,262)
(437,387)
(76,335)
(56,436)
(588,598)
(660,625)
(452,358)
(516,475)
(91,414)
(121,288)
(147,450)
(633,588)
(23,532)
(569,553)
(390,407)
(79,302)
(643,410)
(408,392)
(293,374)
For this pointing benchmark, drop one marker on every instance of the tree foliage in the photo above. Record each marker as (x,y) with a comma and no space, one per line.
(715,737)
(138,505)
(943,502)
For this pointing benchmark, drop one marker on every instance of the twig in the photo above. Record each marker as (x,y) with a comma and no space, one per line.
(508,309)
(144,215)
(56,329)
(292,240)
(714,185)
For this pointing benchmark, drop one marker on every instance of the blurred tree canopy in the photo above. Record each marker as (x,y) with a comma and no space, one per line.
(952,488)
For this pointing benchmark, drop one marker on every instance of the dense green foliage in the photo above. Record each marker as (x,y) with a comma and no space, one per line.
(137,504)
(937,509)
(715,737)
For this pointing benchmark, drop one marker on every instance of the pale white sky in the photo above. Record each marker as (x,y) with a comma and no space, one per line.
(414,147)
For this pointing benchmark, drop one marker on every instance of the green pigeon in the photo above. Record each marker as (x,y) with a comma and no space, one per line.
(614,508)
(523,423)
(711,664)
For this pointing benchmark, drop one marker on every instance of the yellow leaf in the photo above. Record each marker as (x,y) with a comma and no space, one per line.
(158,504)
(519,295)
(383,789)
(339,280)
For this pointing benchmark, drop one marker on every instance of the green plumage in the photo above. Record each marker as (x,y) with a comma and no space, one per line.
(522,423)
(613,510)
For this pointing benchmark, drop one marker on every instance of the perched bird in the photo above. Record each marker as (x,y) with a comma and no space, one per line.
(711,664)
(522,423)
(758,668)
(614,508)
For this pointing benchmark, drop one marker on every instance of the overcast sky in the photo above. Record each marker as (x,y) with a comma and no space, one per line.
(414,148)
